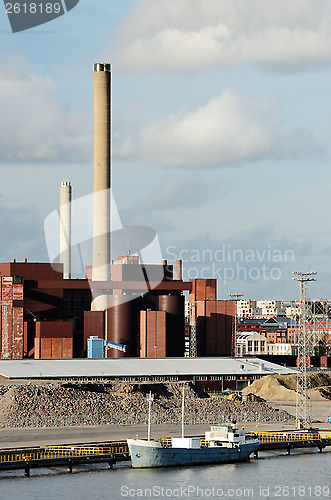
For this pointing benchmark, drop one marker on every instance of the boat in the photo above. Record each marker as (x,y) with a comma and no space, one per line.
(222,444)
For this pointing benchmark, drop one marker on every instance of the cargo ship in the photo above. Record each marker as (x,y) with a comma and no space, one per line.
(222,444)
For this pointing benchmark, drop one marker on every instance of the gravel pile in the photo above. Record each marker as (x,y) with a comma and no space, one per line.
(119,403)
(283,387)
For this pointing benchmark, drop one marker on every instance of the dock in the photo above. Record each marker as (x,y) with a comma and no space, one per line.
(294,439)
(65,456)
(68,456)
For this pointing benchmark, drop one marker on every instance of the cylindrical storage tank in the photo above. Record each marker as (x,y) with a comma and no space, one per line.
(174,307)
(122,325)
(151,301)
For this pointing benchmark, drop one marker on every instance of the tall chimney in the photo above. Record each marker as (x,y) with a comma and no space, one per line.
(65,228)
(101,181)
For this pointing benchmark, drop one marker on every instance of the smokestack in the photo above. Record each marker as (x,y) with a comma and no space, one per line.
(101,181)
(179,270)
(65,228)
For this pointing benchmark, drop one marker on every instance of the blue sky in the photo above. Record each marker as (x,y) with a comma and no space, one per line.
(221,125)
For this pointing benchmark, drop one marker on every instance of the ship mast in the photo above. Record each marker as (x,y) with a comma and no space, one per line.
(183,400)
(150,398)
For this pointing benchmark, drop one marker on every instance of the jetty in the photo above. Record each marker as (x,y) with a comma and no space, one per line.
(71,455)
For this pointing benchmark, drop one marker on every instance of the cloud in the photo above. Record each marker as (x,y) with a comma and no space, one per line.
(193,35)
(34,124)
(257,261)
(228,129)
(22,233)
(176,193)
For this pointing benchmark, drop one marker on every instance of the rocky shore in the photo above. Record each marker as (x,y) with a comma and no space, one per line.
(58,404)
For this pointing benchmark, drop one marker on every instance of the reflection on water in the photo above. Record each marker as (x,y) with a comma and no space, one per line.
(274,475)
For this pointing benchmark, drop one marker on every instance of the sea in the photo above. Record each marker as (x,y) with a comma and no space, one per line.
(305,474)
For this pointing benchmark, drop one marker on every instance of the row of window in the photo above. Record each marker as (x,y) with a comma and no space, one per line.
(256,345)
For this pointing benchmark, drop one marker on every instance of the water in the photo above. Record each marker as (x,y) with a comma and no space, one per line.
(303,475)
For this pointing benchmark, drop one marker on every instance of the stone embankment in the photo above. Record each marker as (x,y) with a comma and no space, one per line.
(56,404)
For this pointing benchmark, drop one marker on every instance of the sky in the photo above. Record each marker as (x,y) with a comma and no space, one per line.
(221,121)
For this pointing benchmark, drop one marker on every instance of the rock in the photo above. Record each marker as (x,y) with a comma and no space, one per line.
(118,403)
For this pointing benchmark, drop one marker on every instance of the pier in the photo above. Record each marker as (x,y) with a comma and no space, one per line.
(289,440)
(68,456)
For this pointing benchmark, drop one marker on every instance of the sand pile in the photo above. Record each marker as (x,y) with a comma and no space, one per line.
(271,388)
(321,381)
(283,387)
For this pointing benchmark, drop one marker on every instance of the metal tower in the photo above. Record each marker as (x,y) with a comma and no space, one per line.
(193,350)
(303,406)
(319,334)
(235,297)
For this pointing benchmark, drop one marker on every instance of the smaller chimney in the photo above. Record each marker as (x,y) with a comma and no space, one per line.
(65,228)
(179,270)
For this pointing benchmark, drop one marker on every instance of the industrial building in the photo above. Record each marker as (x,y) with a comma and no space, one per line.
(210,374)
(45,316)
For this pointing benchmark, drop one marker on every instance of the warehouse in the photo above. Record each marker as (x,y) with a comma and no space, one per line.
(208,373)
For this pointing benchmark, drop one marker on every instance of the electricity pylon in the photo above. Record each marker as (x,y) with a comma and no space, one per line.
(303,406)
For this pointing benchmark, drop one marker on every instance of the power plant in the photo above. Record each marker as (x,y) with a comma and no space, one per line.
(45,314)
(124,307)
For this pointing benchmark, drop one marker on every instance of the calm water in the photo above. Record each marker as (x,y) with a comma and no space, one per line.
(305,475)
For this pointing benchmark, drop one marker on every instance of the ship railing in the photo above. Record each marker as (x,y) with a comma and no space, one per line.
(166,442)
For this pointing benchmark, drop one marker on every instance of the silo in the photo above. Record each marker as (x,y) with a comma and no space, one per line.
(174,307)
(151,301)
(122,324)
